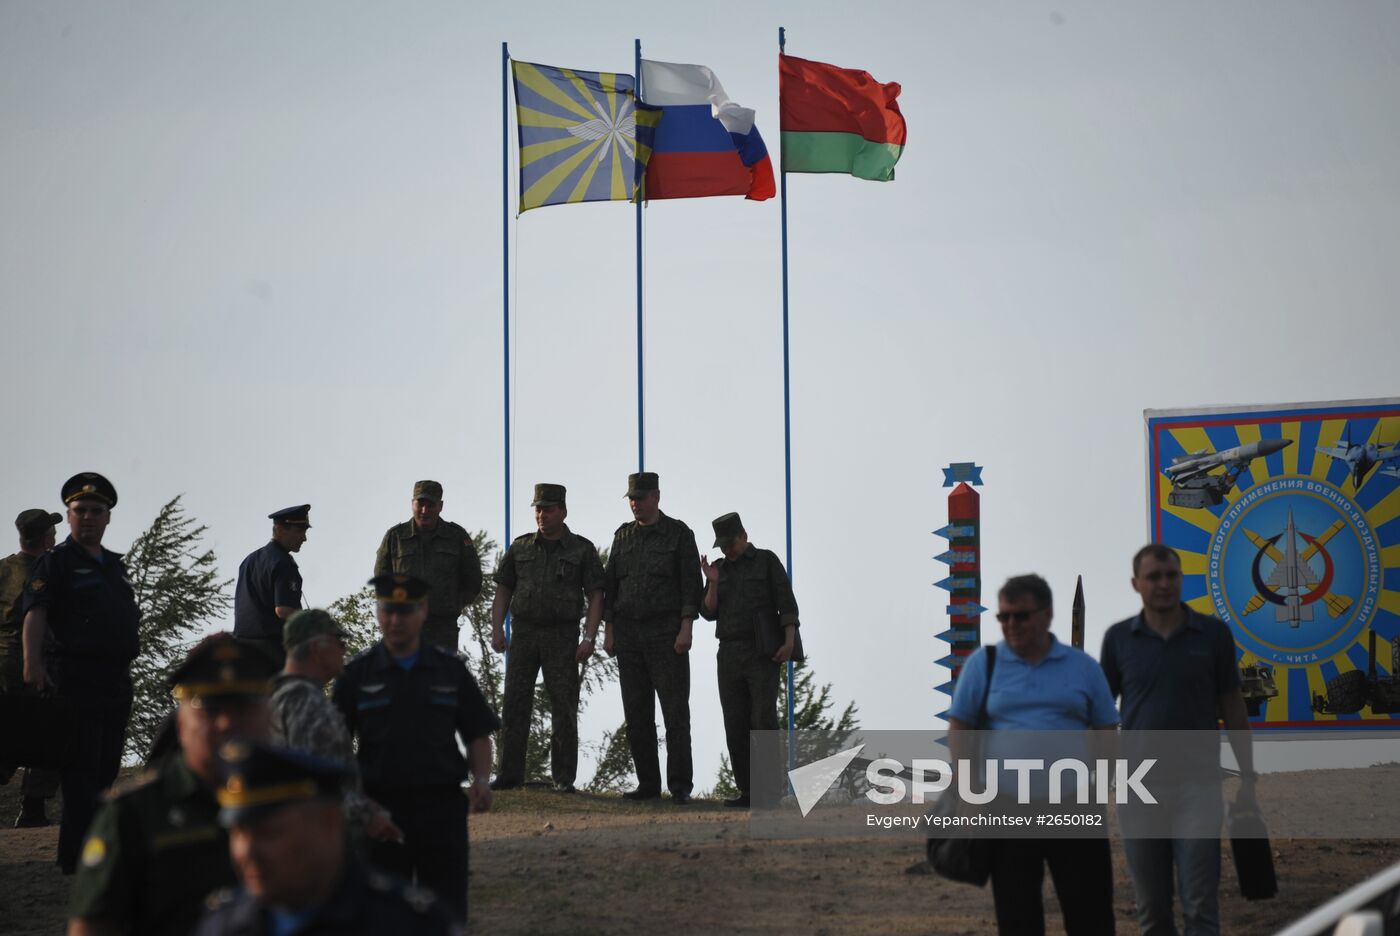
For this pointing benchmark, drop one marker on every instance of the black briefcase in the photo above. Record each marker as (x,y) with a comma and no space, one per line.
(1254,858)
(768,636)
(39,731)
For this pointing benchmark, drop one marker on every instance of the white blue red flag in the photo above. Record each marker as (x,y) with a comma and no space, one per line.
(705,143)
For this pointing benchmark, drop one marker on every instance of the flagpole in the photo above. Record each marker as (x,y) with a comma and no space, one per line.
(787,402)
(505,277)
(641,387)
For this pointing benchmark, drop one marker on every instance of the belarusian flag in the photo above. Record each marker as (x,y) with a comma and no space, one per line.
(838,120)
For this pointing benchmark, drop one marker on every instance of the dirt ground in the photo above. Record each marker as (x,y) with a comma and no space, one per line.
(553,863)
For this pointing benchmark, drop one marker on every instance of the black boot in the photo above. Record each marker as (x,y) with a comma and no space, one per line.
(31,813)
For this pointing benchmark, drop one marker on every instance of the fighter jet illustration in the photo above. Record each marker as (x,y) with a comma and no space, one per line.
(1361,458)
(1193,484)
(1291,567)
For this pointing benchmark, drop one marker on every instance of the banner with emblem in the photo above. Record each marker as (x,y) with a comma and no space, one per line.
(583,136)
(1287,520)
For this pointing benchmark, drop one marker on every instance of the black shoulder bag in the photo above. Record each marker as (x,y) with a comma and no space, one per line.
(955,855)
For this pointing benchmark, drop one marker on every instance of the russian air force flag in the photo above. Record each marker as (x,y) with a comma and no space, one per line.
(705,144)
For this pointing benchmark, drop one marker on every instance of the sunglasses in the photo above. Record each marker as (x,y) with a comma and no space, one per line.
(1020,617)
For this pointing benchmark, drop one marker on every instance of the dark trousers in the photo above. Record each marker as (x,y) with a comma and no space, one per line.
(38,782)
(1082,870)
(434,847)
(552,648)
(442,632)
(748,696)
(272,646)
(105,709)
(647,670)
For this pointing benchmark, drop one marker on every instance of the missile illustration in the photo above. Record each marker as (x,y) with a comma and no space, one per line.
(1185,467)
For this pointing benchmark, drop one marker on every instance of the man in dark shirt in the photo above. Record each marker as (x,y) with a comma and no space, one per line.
(269,583)
(36,537)
(1175,670)
(746,589)
(155,850)
(409,701)
(81,626)
(652,593)
(546,580)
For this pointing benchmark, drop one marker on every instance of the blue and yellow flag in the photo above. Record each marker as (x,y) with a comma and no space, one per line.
(583,136)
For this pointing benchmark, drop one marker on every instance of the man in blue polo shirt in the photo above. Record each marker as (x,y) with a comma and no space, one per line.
(1039,684)
(1175,670)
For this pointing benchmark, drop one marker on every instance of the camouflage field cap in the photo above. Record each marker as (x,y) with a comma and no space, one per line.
(89,485)
(300,515)
(427,490)
(308,623)
(548,495)
(641,483)
(34,521)
(262,778)
(727,527)
(399,588)
(219,665)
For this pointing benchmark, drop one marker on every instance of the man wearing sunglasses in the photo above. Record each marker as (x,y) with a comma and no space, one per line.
(304,719)
(1039,684)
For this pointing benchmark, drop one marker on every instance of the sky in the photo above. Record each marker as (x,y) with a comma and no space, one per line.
(251,254)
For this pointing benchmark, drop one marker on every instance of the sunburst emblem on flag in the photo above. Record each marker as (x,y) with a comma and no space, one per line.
(581,135)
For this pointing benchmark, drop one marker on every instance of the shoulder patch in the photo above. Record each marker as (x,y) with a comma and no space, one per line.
(94,852)
(36,585)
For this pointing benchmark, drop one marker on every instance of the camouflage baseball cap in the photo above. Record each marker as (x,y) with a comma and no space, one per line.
(427,490)
(548,495)
(727,527)
(308,623)
(642,482)
(34,521)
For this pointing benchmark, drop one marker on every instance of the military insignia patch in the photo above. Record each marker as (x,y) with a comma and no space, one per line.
(36,585)
(94,852)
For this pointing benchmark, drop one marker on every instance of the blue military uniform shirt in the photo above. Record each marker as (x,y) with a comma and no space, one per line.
(269,577)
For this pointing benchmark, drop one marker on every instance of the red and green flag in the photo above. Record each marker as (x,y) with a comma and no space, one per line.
(838,120)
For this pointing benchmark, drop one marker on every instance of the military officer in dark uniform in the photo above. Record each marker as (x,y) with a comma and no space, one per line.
(652,589)
(747,589)
(36,537)
(269,583)
(546,580)
(81,629)
(289,847)
(408,701)
(442,554)
(155,850)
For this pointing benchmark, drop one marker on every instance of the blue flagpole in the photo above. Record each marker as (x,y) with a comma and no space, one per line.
(787,411)
(641,387)
(505,273)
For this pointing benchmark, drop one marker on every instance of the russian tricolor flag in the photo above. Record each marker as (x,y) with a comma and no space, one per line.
(705,144)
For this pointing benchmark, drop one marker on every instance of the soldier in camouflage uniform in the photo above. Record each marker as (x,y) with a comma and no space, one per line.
(652,590)
(441,553)
(155,850)
(745,590)
(36,537)
(304,719)
(545,580)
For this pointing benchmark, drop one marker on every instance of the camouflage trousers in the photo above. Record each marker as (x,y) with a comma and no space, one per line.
(441,632)
(40,782)
(535,647)
(649,668)
(748,696)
